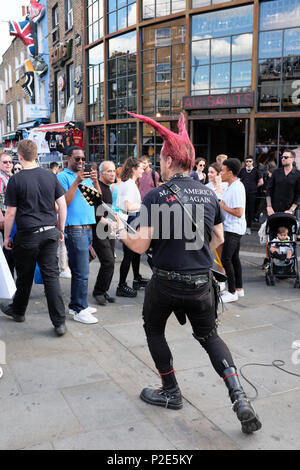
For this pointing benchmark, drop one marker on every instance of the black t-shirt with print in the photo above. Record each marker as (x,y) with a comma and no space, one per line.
(34,192)
(173,247)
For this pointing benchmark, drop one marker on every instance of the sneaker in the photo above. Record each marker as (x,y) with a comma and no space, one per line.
(84,316)
(163,397)
(89,309)
(65,274)
(228,297)
(125,291)
(240,293)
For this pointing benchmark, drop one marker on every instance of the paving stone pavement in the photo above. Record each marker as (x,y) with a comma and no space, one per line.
(81,391)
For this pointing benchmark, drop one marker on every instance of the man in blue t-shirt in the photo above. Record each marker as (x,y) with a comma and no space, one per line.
(78,232)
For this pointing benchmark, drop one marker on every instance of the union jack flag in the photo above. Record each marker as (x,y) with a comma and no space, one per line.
(22,30)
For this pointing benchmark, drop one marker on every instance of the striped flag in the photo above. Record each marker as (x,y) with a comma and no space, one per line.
(22,30)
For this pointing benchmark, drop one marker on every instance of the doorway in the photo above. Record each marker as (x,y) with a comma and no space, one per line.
(228,136)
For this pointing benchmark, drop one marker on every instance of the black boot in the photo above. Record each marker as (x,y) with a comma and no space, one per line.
(168,396)
(241,404)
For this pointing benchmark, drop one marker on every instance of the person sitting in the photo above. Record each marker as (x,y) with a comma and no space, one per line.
(281,248)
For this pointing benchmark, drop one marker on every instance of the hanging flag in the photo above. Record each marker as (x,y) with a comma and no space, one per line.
(22,30)
(36,10)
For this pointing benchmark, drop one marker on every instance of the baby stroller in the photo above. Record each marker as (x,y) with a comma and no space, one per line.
(289,268)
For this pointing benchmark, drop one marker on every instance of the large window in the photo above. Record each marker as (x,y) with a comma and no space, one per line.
(205,3)
(156,8)
(96,143)
(274,136)
(163,64)
(279,56)
(94,20)
(152,141)
(121,140)
(121,14)
(222,51)
(55,24)
(96,83)
(68,14)
(122,75)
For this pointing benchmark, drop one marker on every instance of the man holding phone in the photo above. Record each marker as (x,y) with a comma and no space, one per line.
(78,231)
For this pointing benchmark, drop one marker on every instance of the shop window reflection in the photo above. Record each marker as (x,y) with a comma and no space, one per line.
(163,64)
(94,20)
(121,14)
(157,8)
(121,142)
(279,56)
(96,143)
(221,62)
(122,76)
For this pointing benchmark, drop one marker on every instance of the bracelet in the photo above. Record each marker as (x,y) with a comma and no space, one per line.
(120,230)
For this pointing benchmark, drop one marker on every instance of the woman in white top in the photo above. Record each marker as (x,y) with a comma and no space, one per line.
(129,203)
(219,187)
(215,180)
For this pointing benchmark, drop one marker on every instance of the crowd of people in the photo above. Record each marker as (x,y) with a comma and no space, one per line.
(44,217)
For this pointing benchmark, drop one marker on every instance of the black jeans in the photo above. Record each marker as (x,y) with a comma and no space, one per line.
(130,257)
(250,207)
(231,261)
(105,252)
(29,249)
(162,297)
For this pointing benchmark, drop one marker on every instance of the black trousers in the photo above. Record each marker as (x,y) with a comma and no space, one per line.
(162,297)
(29,249)
(250,207)
(231,261)
(130,257)
(105,252)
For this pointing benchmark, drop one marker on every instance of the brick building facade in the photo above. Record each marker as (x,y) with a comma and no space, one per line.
(65,39)
(14,96)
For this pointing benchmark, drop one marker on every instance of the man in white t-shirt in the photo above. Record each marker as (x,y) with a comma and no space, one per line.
(233,209)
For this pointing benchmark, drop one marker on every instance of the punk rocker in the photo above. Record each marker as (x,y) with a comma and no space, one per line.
(182,281)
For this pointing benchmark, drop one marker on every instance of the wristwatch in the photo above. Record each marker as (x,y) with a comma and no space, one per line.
(120,230)
(291,209)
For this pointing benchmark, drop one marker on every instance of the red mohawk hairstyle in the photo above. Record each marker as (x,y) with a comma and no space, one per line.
(177,146)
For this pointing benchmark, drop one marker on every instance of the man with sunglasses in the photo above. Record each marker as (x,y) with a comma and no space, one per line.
(252,180)
(283,192)
(6,166)
(78,232)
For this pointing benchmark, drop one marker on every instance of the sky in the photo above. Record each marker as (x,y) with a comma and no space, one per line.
(9,10)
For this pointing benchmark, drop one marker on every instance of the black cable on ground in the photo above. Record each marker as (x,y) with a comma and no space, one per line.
(278,363)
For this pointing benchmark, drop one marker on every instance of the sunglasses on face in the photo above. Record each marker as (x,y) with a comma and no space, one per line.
(285,157)
(249,161)
(200,164)
(7,162)
(77,159)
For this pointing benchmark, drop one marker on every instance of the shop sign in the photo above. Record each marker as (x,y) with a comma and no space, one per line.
(62,53)
(36,111)
(230,100)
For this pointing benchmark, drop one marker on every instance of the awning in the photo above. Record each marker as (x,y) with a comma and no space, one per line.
(30,124)
(59,127)
(11,136)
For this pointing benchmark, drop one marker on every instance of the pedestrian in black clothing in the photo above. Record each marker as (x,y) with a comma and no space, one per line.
(283,192)
(182,281)
(103,243)
(252,179)
(30,198)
